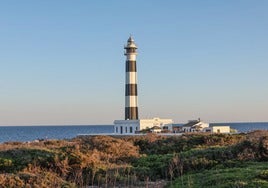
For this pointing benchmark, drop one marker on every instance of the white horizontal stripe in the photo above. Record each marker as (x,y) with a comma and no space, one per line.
(131,77)
(131,101)
(131,57)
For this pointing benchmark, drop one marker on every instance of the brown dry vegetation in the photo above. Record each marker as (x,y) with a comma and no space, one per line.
(125,161)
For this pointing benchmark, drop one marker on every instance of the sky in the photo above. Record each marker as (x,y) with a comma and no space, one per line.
(62,62)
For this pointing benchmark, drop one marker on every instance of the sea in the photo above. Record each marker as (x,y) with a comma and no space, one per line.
(31,133)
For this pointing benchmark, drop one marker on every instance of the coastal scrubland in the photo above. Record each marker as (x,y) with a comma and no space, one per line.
(190,160)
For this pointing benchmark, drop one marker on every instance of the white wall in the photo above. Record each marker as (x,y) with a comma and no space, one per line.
(149,123)
(186,129)
(221,129)
(123,126)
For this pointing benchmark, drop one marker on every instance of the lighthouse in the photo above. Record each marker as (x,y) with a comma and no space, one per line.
(131,89)
(132,124)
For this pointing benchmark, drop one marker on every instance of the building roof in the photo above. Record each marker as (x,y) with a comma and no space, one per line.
(191,123)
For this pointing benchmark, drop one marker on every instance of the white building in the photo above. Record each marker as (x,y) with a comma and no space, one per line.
(132,126)
(199,126)
(194,126)
(218,129)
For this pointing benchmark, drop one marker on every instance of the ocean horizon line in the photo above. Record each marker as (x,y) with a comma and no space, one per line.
(51,125)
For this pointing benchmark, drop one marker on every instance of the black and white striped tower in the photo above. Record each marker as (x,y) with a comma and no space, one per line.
(131,103)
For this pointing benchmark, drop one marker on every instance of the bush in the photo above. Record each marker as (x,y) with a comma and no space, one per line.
(153,167)
(263,175)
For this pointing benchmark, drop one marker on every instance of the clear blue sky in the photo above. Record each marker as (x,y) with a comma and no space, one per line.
(62,62)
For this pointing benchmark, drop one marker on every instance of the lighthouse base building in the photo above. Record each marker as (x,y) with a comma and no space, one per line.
(135,126)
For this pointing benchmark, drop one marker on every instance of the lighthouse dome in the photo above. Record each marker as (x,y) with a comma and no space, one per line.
(130,43)
(130,39)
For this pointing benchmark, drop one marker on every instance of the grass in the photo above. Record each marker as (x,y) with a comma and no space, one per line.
(250,174)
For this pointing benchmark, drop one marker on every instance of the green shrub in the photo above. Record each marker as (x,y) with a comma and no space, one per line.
(263,175)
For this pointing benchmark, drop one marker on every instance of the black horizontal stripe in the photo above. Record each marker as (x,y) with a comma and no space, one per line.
(131,113)
(131,66)
(131,90)
(130,50)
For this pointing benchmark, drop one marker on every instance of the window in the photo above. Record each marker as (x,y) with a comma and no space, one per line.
(126,129)
(130,129)
(116,129)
